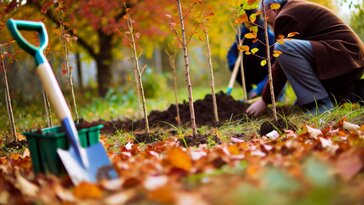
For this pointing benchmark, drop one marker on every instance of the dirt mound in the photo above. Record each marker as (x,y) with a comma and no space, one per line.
(228,108)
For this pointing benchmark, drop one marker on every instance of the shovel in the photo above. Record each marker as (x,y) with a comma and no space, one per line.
(89,164)
(233,75)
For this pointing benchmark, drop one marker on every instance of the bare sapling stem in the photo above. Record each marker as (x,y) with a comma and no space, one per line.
(47,107)
(270,76)
(187,70)
(137,86)
(139,72)
(172,63)
(243,83)
(66,54)
(214,103)
(8,98)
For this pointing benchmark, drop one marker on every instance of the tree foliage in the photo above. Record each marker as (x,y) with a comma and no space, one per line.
(357,20)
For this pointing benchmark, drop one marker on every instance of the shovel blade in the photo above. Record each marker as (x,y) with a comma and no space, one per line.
(99,167)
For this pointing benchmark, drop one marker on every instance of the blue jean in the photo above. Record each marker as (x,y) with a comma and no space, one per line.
(297,64)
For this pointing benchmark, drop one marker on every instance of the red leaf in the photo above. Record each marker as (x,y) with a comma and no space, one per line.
(46,7)
(13,4)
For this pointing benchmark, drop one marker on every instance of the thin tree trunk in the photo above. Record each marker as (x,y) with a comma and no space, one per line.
(214,103)
(242,70)
(8,99)
(48,110)
(270,77)
(187,70)
(172,62)
(140,74)
(66,54)
(137,87)
(79,72)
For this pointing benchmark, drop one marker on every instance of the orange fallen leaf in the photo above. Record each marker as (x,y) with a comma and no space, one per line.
(155,182)
(26,187)
(179,158)
(86,190)
(184,198)
(314,133)
(348,164)
(120,198)
(350,126)
(163,194)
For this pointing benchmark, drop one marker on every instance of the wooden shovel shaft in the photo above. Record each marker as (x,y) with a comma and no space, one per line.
(58,102)
(234,73)
(53,91)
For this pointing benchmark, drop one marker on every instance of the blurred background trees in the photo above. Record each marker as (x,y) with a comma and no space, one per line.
(95,30)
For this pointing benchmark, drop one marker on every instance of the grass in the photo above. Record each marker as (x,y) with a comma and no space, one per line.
(277,186)
(121,105)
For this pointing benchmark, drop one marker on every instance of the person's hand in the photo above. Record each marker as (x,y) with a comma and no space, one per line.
(256,108)
(252,94)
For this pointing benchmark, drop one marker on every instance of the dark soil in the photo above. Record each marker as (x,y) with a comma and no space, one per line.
(278,125)
(228,108)
(147,138)
(198,139)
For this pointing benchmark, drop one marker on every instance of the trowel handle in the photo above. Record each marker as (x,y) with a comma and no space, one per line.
(15,26)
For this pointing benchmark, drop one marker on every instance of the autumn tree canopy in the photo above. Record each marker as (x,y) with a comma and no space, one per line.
(97,27)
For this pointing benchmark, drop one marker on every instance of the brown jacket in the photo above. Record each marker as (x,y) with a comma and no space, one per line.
(336,47)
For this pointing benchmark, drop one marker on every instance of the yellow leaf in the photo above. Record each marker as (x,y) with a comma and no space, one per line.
(252,18)
(292,34)
(277,53)
(263,62)
(179,159)
(243,48)
(248,53)
(254,50)
(275,6)
(253,29)
(250,35)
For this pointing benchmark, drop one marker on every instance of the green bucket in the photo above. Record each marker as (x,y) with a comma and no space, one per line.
(43,145)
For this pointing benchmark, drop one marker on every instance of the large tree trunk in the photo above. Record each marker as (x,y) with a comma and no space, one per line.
(79,71)
(104,60)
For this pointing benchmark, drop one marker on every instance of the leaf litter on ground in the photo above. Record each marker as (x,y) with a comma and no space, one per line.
(327,161)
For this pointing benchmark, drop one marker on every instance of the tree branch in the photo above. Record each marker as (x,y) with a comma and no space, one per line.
(80,40)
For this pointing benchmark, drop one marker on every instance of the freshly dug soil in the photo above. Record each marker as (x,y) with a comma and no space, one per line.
(147,138)
(228,109)
(198,139)
(277,125)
